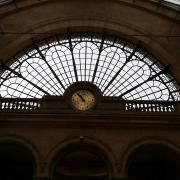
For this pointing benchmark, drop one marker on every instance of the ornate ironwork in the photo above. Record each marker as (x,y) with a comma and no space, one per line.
(13,104)
(117,67)
(45,106)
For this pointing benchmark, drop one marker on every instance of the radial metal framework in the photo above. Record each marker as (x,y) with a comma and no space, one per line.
(117,67)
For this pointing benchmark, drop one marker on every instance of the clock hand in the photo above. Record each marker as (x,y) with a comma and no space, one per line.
(81,97)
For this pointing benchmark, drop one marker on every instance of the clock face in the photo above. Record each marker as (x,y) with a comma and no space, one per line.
(83,99)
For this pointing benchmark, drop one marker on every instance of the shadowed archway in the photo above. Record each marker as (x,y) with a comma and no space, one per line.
(80,161)
(16,162)
(153,162)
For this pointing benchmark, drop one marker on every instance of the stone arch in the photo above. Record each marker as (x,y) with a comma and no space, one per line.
(163,147)
(86,143)
(27,147)
(74,19)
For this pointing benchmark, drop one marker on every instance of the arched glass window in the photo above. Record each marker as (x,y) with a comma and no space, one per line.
(117,67)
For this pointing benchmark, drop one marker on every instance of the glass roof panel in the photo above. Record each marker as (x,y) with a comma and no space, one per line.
(173,1)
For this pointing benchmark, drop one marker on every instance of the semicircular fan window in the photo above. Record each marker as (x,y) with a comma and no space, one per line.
(117,67)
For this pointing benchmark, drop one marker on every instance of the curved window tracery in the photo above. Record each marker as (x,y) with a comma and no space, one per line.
(117,67)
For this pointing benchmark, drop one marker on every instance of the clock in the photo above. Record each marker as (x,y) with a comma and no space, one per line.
(83,99)
(82,96)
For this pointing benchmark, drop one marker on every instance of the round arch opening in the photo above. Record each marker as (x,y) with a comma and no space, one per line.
(80,163)
(16,162)
(154,162)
